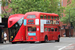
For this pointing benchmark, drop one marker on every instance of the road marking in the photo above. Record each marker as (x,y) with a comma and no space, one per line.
(65,47)
(62,48)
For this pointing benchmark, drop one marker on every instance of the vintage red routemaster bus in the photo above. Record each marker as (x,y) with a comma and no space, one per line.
(42,27)
(16,28)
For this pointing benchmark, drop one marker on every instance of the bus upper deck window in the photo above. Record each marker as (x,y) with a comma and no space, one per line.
(48,17)
(41,16)
(54,17)
(51,17)
(45,17)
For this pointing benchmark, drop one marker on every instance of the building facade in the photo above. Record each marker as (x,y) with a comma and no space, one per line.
(65,27)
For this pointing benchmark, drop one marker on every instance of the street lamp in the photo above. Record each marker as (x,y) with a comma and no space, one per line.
(69,23)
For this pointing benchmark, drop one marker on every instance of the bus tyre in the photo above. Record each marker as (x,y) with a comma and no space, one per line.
(58,40)
(46,39)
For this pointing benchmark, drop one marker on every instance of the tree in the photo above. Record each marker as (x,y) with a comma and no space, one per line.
(70,7)
(23,6)
(4,14)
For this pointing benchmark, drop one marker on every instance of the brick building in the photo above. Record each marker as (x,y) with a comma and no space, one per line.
(64,27)
(4,21)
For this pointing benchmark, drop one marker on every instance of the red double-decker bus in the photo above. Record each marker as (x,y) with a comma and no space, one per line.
(42,26)
(16,28)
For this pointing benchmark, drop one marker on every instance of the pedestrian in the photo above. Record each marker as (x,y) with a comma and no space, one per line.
(5,37)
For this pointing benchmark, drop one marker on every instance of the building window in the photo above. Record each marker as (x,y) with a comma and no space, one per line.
(6,2)
(62,3)
(62,14)
(59,4)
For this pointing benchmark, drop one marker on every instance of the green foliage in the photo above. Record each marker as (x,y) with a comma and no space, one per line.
(70,7)
(23,6)
(5,13)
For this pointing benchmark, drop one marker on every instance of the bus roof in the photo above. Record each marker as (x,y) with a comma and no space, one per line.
(14,18)
(16,15)
(37,13)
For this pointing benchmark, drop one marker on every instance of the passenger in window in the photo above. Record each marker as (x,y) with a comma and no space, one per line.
(29,29)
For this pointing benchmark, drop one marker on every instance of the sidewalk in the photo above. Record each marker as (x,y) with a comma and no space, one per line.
(67,37)
(7,42)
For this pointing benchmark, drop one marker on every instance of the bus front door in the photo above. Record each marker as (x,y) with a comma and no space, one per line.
(52,32)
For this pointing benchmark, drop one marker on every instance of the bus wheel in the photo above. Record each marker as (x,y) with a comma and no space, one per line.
(13,42)
(58,40)
(46,38)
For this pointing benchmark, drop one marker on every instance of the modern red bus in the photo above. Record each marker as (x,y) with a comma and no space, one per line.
(16,28)
(42,27)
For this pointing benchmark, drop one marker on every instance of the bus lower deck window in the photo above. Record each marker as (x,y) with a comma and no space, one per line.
(52,29)
(48,29)
(45,29)
(55,29)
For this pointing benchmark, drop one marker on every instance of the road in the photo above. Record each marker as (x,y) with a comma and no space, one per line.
(64,44)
